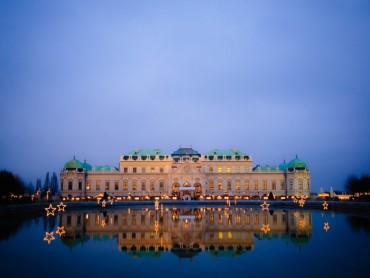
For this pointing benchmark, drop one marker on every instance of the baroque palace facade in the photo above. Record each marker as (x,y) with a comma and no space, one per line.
(185,174)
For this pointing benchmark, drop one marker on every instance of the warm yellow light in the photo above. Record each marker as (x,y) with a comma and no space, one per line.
(265,206)
(103,204)
(301,202)
(50,210)
(61,206)
(325,205)
(326,226)
(60,231)
(49,237)
(265,228)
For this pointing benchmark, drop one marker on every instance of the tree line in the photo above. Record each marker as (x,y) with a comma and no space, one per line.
(359,186)
(12,184)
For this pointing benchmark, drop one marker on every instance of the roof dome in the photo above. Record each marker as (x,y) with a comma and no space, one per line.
(283,166)
(297,164)
(86,166)
(73,164)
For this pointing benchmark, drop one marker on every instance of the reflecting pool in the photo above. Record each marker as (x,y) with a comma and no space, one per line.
(186,241)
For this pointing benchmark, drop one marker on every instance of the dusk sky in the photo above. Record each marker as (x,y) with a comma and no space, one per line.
(275,79)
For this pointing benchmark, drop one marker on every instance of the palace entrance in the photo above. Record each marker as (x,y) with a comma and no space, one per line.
(187,192)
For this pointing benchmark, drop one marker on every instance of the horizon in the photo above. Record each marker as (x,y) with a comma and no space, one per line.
(274,80)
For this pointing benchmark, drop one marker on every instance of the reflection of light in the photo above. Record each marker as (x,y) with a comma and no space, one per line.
(156,204)
(87,216)
(103,204)
(50,210)
(265,228)
(103,223)
(325,205)
(61,206)
(265,206)
(60,231)
(301,203)
(302,222)
(295,214)
(49,237)
(326,226)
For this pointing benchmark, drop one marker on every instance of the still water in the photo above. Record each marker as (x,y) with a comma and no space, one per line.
(186,242)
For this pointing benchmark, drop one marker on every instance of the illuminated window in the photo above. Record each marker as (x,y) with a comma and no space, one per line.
(220,235)
(228,170)
(143,185)
(237,185)
(107,185)
(143,170)
(238,219)
(211,185)
(219,185)
(229,235)
(273,185)
(152,170)
(255,185)
(256,219)
(116,185)
(247,219)
(133,185)
(152,185)
(219,169)
(211,218)
(124,219)
(246,185)
(220,218)
(211,169)
(97,185)
(229,185)
(237,170)
(264,184)
(88,185)
(125,185)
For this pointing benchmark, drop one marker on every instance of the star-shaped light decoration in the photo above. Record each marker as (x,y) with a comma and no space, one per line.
(265,206)
(295,214)
(61,206)
(60,231)
(302,223)
(49,237)
(301,202)
(265,228)
(326,226)
(50,210)
(325,205)
(103,204)
(103,223)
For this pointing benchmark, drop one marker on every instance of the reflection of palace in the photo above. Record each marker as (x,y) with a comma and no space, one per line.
(186,231)
(184,174)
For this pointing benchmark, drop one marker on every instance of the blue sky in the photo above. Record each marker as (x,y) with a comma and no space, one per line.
(97,79)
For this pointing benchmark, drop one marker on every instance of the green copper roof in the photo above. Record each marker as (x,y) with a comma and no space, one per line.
(86,166)
(229,152)
(297,164)
(73,164)
(141,152)
(283,166)
(185,151)
(105,168)
(266,168)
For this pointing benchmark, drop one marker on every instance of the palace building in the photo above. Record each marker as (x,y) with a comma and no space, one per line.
(185,174)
